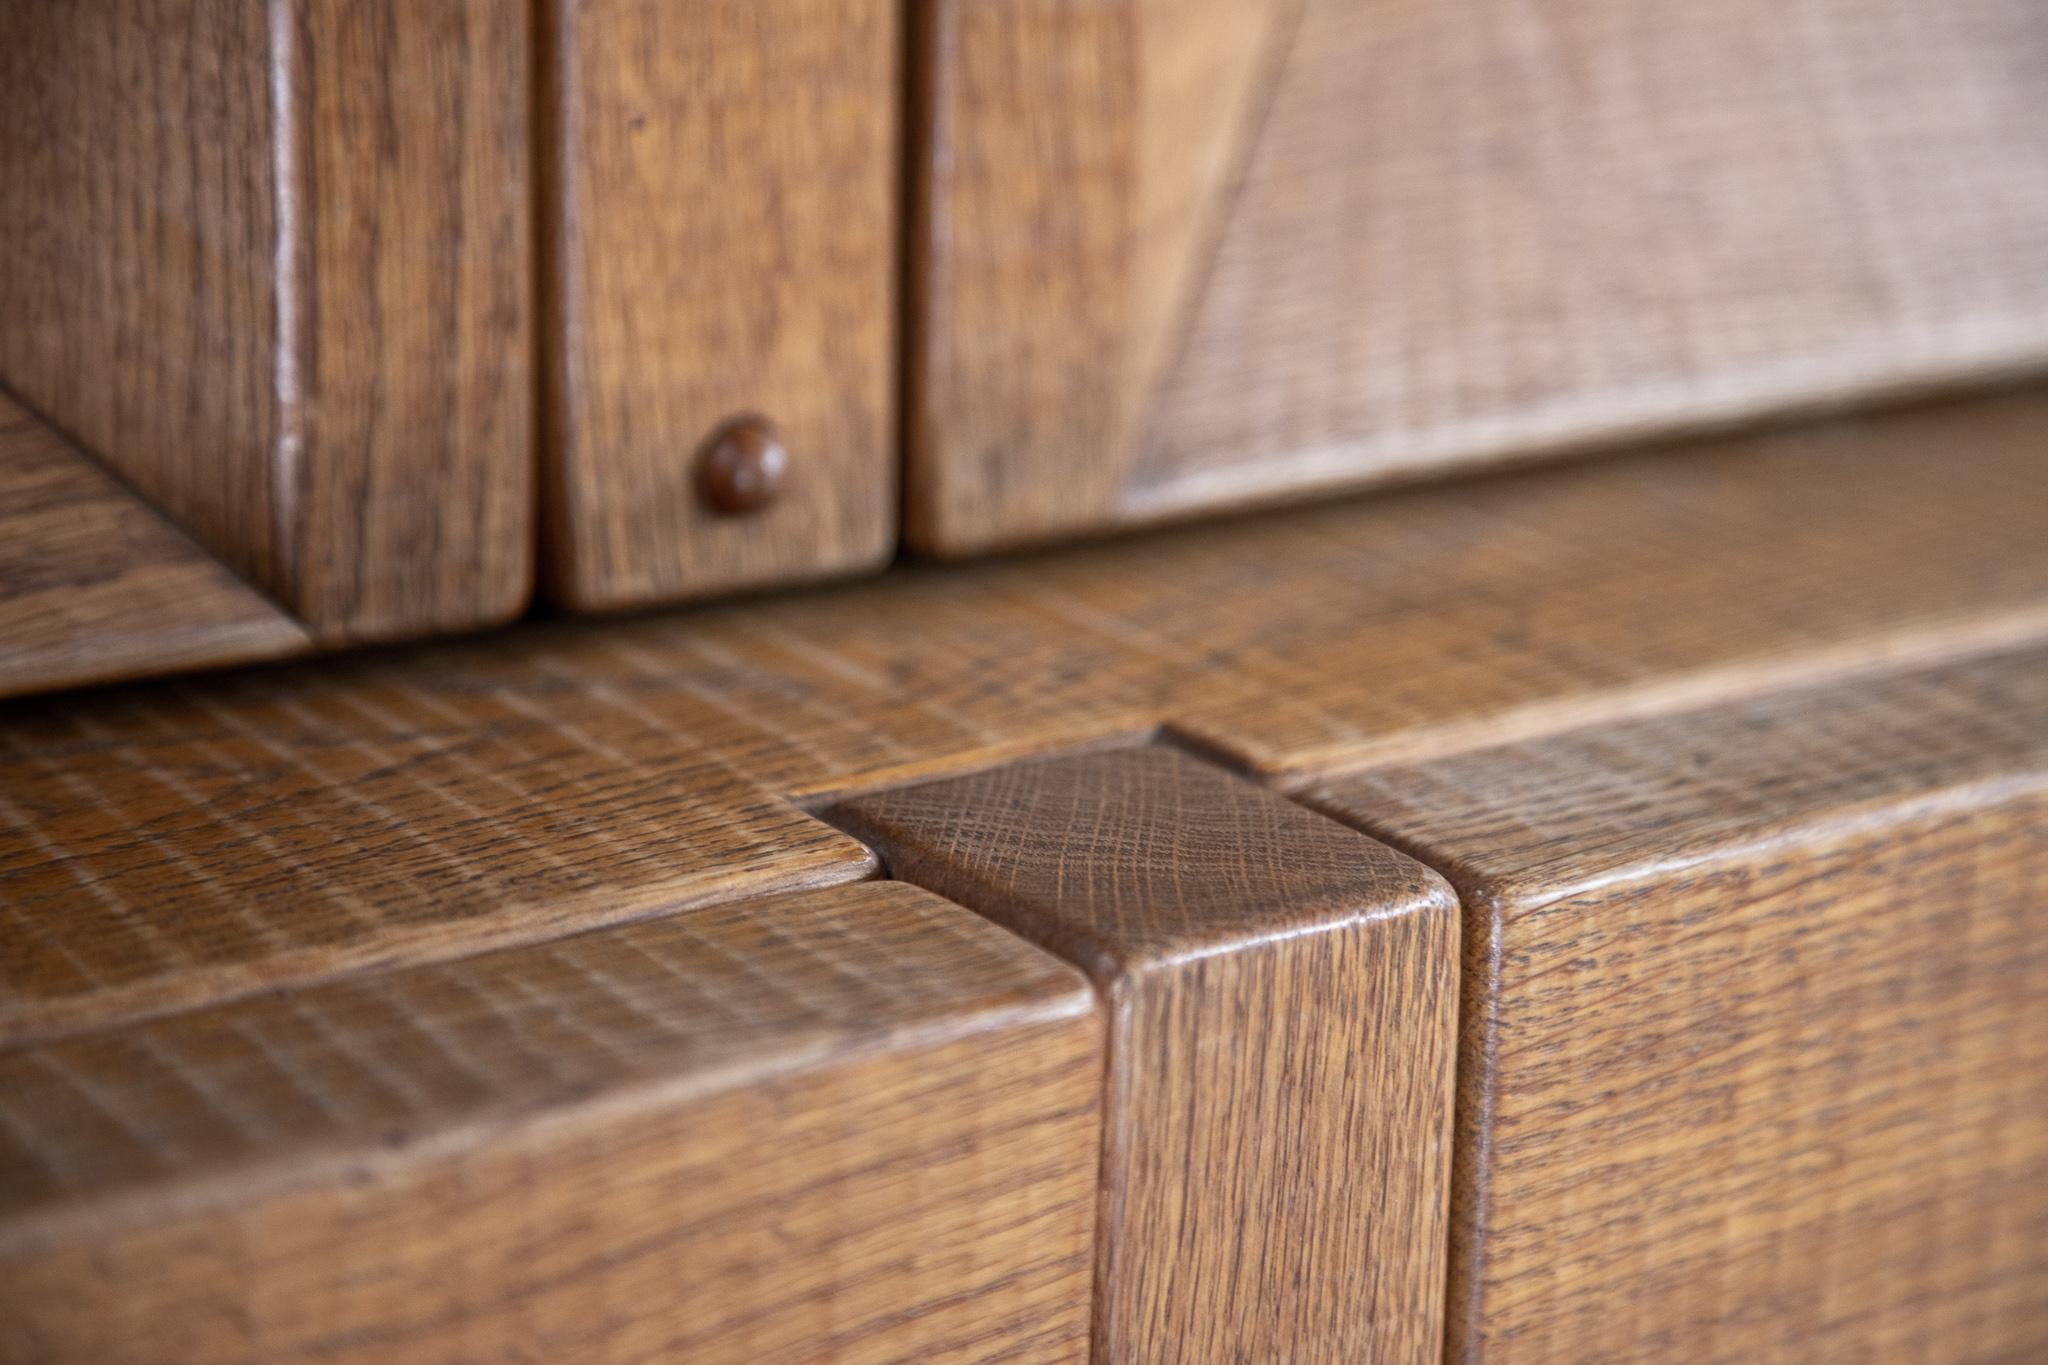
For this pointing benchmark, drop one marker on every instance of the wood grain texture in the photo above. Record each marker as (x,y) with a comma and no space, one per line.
(723,239)
(1282,1001)
(1184,255)
(1754,1048)
(95,586)
(857,1125)
(164,847)
(271,262)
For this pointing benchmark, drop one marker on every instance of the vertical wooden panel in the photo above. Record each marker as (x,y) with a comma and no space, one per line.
(1755,1059)
(855,1125)
(271,262)
(722,245)
(1282,998)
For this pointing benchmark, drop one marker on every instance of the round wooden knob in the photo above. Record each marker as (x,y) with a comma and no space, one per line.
(742,467)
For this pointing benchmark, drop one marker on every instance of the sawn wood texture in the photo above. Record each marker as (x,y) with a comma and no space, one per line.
(856,1125)
(1754,1040)
(1282,999)
(96,586)
(1174,255)
(272,264)
(168,846)
(721,242)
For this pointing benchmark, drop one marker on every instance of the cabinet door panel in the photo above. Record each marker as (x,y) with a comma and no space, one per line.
(271,263)
(1184,254)
(722,238)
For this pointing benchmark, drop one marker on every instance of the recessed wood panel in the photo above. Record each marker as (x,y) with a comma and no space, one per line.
(857,1125)
(1754,1045)
(95,586)
(722,245)
(163,847)
(271,264)
(1282,998)
(1177,255)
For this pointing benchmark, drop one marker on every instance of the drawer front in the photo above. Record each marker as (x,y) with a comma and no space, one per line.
(721,244)
(1175,255)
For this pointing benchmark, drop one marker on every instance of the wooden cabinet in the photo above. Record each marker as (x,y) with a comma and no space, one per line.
(1584,913)
(1178,255)
(271,264)
(721,219)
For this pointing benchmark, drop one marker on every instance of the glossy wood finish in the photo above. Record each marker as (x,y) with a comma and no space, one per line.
(1187,254)
(722,231)
(271,263)
(95,586)
(1282,1008)
(1754,1051)
(858,1124)
(165,847)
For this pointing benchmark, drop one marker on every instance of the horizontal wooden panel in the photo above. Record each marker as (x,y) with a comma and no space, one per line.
(95,586)
(1276,1158)
(272,264)
(858,1124)
(169,846)
(1754,1047)
(723,246)
(1177,255)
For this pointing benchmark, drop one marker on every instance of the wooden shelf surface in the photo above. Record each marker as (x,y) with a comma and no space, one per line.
(174,845)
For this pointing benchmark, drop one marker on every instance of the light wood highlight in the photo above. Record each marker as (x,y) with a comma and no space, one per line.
(1178,255)
(857,1125)
(1282,1011)
(722,239)
(271,263)
(1754,1045)
(166,847)
(96,587)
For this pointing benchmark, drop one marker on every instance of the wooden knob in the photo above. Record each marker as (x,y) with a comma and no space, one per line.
(742,467)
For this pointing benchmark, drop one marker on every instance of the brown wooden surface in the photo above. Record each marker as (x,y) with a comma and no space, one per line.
(857,1125)
(172,845)
(95,586)
(1755,1062)
(722,225)
(271,264)
(1283,1008)
(1187,254)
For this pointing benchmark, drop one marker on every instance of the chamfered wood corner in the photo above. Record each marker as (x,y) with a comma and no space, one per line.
(1282,997)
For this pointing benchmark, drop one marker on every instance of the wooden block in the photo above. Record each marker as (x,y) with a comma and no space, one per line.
(95,586)
(272,264)
(162,848)
(722,238)
(1179,255)
(1755,1064)
(859,1124)
(1282,1001)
